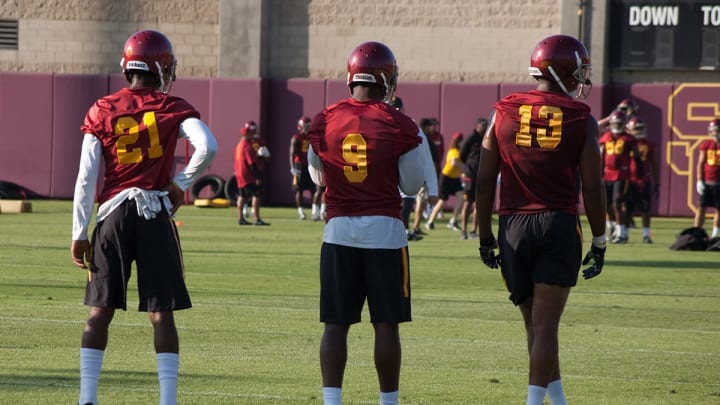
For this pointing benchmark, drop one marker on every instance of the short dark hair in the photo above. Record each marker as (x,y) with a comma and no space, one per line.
(427,121)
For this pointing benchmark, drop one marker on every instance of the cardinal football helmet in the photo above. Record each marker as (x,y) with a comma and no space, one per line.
(374,63)
(636,126)
(617,121)
(250,128)
(714,128)
(303,124)
(150,51)
(628,106)
(564,60)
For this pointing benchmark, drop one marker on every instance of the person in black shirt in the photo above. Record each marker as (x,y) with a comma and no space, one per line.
(470,155)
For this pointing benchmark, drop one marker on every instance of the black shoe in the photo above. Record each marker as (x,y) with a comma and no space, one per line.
(412,237)
(243,221)
(260,222)
(646,239)
(419,231)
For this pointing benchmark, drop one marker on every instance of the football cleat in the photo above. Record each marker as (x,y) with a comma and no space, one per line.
(243,221)
(619,240)
(260,222)
(647,240)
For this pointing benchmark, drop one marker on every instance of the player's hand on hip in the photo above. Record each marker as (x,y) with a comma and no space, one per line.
(80,252)
(597,256)
(176,195)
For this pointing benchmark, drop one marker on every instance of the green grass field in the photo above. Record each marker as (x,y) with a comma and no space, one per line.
(647,331)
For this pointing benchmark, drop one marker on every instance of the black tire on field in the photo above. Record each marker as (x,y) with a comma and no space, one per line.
(231,189)
(216,184)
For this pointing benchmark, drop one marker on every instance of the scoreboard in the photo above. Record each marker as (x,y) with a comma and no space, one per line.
(665,34)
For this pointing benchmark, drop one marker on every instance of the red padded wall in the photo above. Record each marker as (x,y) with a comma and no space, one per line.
(72,96)
(26,113)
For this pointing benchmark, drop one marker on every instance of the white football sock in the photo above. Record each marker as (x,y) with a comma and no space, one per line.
(536,395)
(389,398)
(715,232)
(315,209)
(555,393)
(168,365)
(90,366)
(332,395)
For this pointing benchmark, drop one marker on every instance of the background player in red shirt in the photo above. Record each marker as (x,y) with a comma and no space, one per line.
(363,149)
(299,145)
(642,186)
(708,177)
(617,149)
(540,141)
(249,173)
(134,133)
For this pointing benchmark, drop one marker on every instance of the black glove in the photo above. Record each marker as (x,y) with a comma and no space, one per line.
(656,190)
(487,252)
(597,255)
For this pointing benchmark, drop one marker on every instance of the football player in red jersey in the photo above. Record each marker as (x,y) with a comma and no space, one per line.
(708,177)
(132,134)
(249,167)
(540,141)
(299,145)
(363,149)
(642,187)
(617,149)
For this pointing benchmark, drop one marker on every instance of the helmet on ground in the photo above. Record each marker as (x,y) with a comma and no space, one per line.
(563,60)
(152,52)
(373,63)
(636,126)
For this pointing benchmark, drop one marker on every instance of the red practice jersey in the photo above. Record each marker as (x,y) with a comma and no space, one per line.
(245,157)
(301,143)
(711,168)
(646,150)
(359,144)
(616,155)
(139,129)
(540,136)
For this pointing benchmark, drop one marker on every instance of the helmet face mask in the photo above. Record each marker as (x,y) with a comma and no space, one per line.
(152,52)
(564,61)
(373,63)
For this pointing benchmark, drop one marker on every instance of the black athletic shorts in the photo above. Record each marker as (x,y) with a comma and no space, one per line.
(710,198)
(125,237)
(616,191)
(349,275)
(251,190)
(639,198)
(303,181)
(539,248)
(449,186)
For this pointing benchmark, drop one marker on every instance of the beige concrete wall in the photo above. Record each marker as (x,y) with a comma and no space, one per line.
(86,36)
(460,40)
(433,40)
